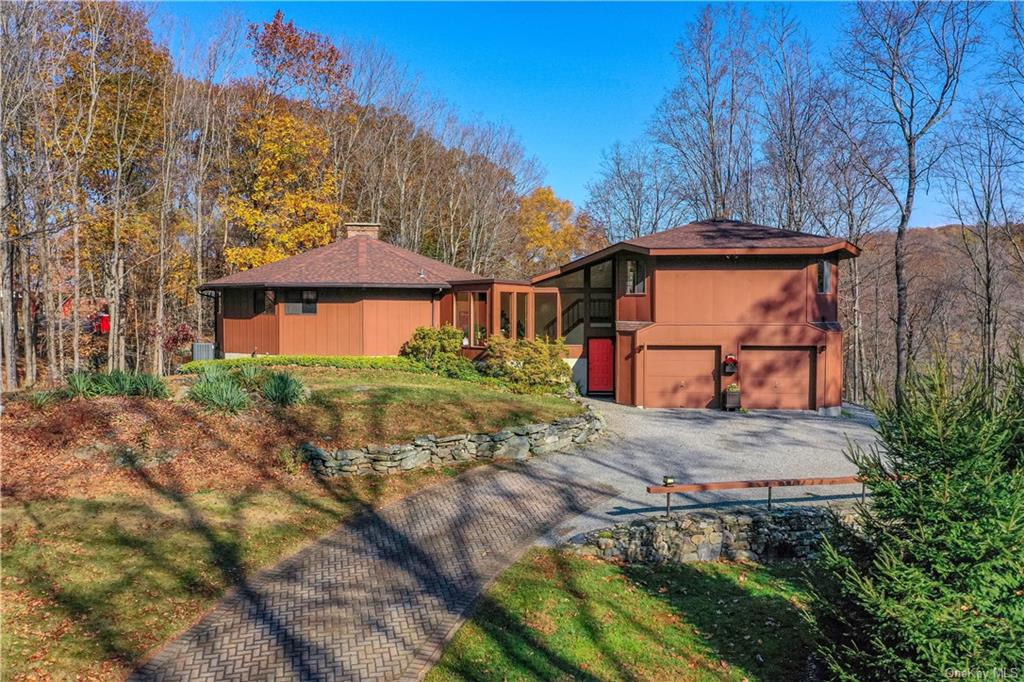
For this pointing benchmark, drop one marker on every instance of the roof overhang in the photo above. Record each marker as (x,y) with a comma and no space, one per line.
(213,286)
(842,249)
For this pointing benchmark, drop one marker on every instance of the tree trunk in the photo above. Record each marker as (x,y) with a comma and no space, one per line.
(28,335)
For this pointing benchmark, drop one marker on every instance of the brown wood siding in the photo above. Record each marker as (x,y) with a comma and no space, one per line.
(335,329)
(747,291)
(244,332)
(633,307)
(390,318)
(624,354)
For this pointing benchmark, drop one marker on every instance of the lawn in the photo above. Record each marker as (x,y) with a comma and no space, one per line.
(357,406)
(559,617)
(125,519)
(74,447)
(91,585)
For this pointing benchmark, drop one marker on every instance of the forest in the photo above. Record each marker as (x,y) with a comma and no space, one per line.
(134,168)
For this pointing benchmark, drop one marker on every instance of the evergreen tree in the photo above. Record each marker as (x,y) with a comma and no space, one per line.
(933,580)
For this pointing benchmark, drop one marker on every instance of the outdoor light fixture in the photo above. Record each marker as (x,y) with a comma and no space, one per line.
(667,480)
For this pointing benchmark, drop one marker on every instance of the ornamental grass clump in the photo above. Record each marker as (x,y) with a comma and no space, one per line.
(284,389)
(220,393)
(116,383)
(932,585)
(250,377)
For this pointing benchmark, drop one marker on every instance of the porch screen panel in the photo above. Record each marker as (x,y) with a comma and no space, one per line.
(480,317)
(521,316)
(573,316)
(464,315)
(545,315)
(506,314)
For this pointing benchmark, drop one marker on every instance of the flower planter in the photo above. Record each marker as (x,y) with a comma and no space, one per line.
(732,400)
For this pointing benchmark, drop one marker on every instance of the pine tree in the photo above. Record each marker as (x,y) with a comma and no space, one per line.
(933,581)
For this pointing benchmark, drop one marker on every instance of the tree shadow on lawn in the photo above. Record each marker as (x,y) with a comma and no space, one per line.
(749,616)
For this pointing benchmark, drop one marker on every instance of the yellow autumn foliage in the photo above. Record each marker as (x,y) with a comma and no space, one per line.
(287,201)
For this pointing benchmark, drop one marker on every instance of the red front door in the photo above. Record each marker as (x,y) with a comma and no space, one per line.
(600,366)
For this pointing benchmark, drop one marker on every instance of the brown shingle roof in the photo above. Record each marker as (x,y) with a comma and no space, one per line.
(726,237)
(359,261)
(730,234)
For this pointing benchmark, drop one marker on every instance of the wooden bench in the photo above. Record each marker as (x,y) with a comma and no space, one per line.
(671,487)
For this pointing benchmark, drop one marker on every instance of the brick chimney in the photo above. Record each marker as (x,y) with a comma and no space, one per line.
(371,230)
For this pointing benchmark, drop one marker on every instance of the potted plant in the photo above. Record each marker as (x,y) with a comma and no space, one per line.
(732,396)
(730,364)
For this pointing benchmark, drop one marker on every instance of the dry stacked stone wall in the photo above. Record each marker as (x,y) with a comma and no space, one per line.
(738,534)
(517,443)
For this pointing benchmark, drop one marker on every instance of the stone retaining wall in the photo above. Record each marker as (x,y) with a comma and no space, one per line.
(739,534)
(518,443)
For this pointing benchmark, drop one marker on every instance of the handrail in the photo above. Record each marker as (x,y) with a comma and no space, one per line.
(669,488)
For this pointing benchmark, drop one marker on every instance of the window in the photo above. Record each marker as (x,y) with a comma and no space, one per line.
(263,301)
(602,307)
(298,302)
(309,302)
(824,277)
(464,316)
(601,275)
(545,315)
(636,277)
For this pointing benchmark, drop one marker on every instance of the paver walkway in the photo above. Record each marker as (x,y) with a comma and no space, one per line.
(377,598)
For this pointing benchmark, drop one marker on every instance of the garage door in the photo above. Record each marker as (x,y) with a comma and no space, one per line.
(777,378)
(681,376)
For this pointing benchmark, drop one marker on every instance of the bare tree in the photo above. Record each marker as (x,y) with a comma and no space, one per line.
(707,118)
(981,171)
(792,92)
(909,58)
(636,192)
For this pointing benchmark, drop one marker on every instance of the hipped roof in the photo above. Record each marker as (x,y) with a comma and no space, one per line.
(359,261)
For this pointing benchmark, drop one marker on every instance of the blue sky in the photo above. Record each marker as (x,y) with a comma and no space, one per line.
(570,78)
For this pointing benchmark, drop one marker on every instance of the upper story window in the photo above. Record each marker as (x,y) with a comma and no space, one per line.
(824,276)
(636,277)
(264,301)
(300,302)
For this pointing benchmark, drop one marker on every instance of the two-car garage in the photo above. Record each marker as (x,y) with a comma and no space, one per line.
(770,377)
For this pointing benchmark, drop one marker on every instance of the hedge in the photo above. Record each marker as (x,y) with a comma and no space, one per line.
(402,364)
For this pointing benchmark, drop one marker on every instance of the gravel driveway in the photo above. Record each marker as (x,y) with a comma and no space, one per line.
(641,446)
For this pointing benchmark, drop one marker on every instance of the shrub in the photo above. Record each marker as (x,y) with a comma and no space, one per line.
(250,377)
(428,343)
(528,366)
(935,580)
(220,393)
(402,364)
(440,350)
(282,388)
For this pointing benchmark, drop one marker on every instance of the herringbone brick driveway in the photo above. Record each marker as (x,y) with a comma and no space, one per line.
(377,598)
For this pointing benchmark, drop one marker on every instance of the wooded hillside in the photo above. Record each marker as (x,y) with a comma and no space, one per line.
(129,179)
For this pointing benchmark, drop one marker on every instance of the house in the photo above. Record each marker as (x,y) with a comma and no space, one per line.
(667,320)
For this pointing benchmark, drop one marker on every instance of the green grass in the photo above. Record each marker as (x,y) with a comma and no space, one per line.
(556,617)
(90,586)
(336,361)
(356,407)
